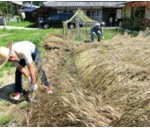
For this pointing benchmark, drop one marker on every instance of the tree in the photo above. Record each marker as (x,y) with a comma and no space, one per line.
(6,8)
(38,3)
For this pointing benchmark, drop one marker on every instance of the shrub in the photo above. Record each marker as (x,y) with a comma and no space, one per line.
(135,24)
(18,19)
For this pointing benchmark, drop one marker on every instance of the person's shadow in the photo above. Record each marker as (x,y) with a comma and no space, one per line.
(5,92)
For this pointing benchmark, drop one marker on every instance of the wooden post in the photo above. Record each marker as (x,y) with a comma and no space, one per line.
(78,24)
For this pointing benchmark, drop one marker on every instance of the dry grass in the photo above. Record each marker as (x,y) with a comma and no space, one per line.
(75,108)
(70,105)
(113,89)
(118,71)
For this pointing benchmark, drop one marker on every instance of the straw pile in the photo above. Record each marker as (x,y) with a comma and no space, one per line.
(59,42)
(107,86)
(77,108)
(118,71)
(70,105)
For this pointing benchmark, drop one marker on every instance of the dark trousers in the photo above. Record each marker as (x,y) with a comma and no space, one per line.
(38,62)
(92,35)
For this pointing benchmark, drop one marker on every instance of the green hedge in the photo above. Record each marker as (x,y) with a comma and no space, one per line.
(135,24)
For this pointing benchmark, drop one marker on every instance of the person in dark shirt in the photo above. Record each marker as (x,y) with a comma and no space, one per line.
(98,30)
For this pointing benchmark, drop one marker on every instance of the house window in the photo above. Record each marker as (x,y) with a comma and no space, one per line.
(119,13)
(64,11)
(70,11)
(97,15)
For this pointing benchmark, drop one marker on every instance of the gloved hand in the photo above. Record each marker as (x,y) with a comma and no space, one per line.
(99,32)
(29,80)
(34,87)
(93,33)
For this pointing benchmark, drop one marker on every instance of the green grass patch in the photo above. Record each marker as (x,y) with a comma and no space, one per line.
(110,33)
(16,35)
(85,34)
(24,104)
(36,36)
(1,83)
(21,24)
(4,120)
(69,64)
(4,103)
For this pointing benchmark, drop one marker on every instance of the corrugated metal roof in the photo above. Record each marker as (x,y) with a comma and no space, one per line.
(28,9)
(81,3)
(17,2)
(28,4)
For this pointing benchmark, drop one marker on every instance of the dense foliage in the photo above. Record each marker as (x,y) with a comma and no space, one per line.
(6,8)
(135,24)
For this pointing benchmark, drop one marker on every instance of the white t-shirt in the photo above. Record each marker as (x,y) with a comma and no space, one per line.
(24,49)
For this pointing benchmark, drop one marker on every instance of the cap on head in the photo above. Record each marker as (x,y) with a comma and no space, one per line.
(97,23)
(103,23)
(5,54)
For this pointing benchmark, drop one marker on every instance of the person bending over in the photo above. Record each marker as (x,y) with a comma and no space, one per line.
(98,30)
(21,54)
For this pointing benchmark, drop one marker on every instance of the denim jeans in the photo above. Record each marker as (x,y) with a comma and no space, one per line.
(38,62)
(92,34)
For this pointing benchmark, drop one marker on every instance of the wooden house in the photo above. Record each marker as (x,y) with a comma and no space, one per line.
(138,9)
(97,10)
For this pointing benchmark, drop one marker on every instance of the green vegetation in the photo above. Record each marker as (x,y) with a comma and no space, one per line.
(21,24)
(6,8)
(136,24)
(85,34)
(5,120)
(110,33)
(69,64)
(4,103)
(36,36)
(24,104)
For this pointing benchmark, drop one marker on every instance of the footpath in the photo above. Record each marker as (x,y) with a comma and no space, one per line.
(13,27)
